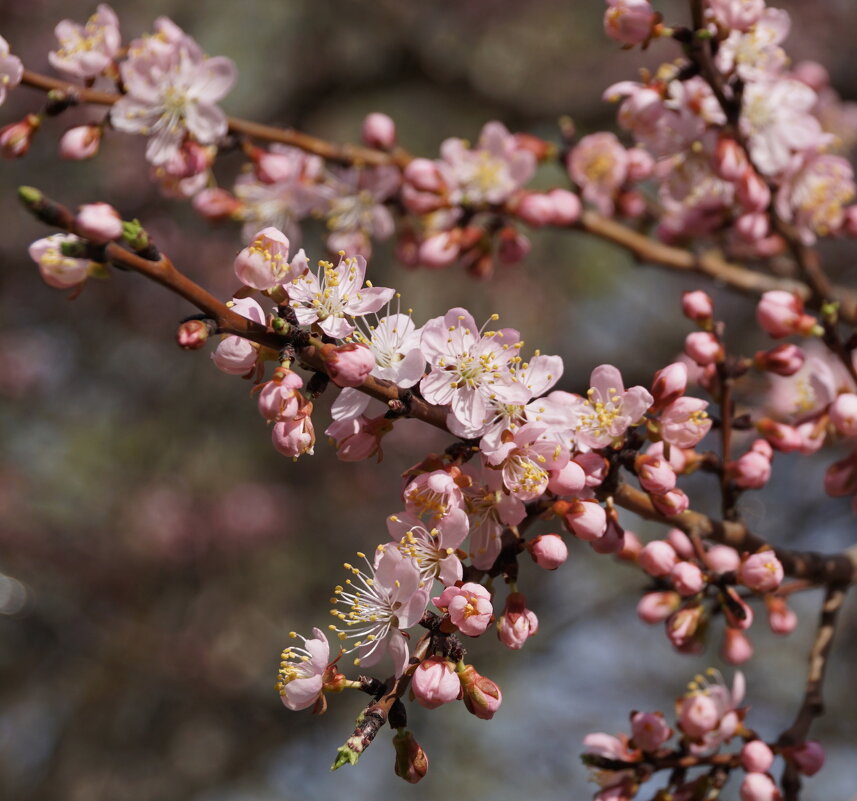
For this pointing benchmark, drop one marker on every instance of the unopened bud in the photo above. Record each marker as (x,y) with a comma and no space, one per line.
(482,697)
(411,761)
(379,131)
(15,139)
(80,142)
(192,334)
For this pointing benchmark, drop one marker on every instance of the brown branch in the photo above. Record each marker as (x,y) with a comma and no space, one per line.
(813,701)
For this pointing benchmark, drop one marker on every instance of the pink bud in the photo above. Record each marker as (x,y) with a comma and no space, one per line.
(272,168)
(738,14)
(594,466)
(685,628)
(411,761)
(641,165)
(469,607)
(358,438)
(753,193)
(566,206)
(704,348)
(15,139)
(568,481)
(99,222)
(295,437)
(698,715)
(512,246)
(536,209)
(671,503)
(781,618)
(657,558)
(655,474)
(752,227)
(80,142)
(631,547)
(843,414)
(650,730)
(655,607)
(440,250)
(435,682)
(669,384)
(587,520)
(517,623)
(613,538)
(722,559)
(216,204)
(785,359)
(193,334)
(780,436)
(808,758)
(687,578)
(379,131)
(482,697)
(780,314)
(697,306)
(751,471)
(681,543)
(279,399)
(348,365)
(756,757)
(736,648)
(264,263)
(631,204)
(730,160)
(759,787)
(761,572)
(423,175)
(548,551)
(629,21)
(841,477)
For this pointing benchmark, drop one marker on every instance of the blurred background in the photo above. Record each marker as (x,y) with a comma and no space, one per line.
(155,550)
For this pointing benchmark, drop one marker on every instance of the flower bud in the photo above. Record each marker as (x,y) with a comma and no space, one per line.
(736,648)
(650,730)
(761,572)
(629,22)
(752,227)
(669,384)
(586,519)
(697,306)
(785,359)
(780,436)
(759,787)
(657,558)
(685,628)
(781,617)
(379,131)
(435,682)
(751,471)
(358,438)
(631,205)
(549,551)
(780,314)
(469,607)
(566,206)
(722,559)
(704,348)
(687,578)
(536,209)
(655,607)
(808,758)
(654,473)
(613,539)
(411,760)
(517,623)
(58,270)
(440,250)
(80,142)
(193,334)
(569,480)
(843,414)
(840,479)
(738,14)
(641,165)
(730,159)
(756,757)
(422,174)
(348,365)
(631,547)
(264,263)
(482,697)
(698,715)
(671,503)
(681,543)
(15,139)
(279,399)
(737,612)
(216,204)
(295,437)
(752,192)
(99,222)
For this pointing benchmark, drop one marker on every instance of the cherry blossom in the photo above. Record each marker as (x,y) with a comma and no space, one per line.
(300,677)
(85,51)
(11,70)
(433,549)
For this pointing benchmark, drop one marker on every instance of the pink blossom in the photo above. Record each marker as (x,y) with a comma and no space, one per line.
(730,159)
(655,474)
(606,745)
(549,551)
(469,607)
(684,422)
(609,410)
(782,360)
(335,294)
(671,503)
(566,206)
(756,757)
(436,493)
(657,558)
(687,578)
(650,731)
(750,471)
(513,246)
(737,14)
(216,204)
(524,459)
(358,438)
(236,355)
(586,519)
(279,399)
(378,605)
(264,263)
(761,572)
(172,90)
(738,613)
(599,165)
(722,558)
(517,623)
(759,787)
(655,607)
(99,222)
(11,70)
(629,22)
(697,305)
(301,674)
(57,270)
(379,131)
(685,628)
(681,543)
(756,55)
(535,208)
(469,368)
(569,480)
(432,549)
(482,697)
(843,414)
(435,682)
(85,51)
(783,437)
(490,510)
(295,437)
(347,365)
